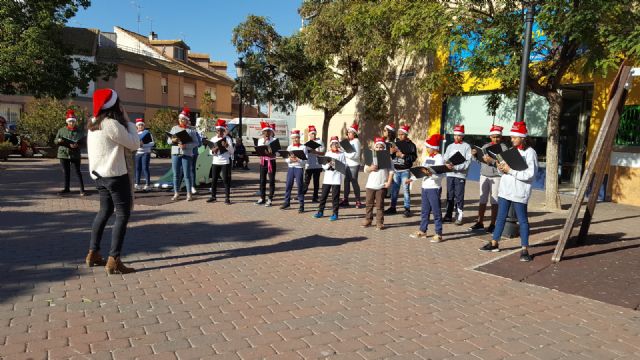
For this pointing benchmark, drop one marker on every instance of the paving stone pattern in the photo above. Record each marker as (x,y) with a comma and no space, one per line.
(249,282)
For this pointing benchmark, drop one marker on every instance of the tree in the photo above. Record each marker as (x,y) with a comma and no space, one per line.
(34,59)
(44,117)
(347,48)
(578,35)
(161,122)
(207,105)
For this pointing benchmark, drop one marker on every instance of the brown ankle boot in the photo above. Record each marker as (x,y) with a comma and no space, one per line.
(115,266)
(94,259)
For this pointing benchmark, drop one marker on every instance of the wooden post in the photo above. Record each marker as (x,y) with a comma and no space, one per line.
(598,162)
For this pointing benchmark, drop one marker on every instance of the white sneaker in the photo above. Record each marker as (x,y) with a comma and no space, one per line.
(145,188)
(193,190)
(137,187)
(175,197)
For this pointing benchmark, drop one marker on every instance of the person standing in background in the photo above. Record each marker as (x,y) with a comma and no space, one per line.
(353,167)
(69,140)
(313,169)
(182,154)
(143,156)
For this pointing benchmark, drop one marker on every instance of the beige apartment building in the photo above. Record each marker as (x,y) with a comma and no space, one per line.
(151,74)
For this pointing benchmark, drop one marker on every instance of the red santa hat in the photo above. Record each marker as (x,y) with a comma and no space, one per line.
(185,114)
(71,116)
(458,129)
(221,124)
(404,129)
(273,127)
(103,99)
(379,140)
(294,133)
(264,126)
(496,130)
(139,121)
(312,129)
(519,129)
(334,139)
(433,141)
(390,127)
(354,128)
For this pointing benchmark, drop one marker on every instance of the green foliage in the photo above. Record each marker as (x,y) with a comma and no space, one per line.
(44,117)
(162,121)
(207,106)
(592,35)
(33,57)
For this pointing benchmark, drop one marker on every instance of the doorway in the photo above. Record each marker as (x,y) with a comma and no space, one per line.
(574,131)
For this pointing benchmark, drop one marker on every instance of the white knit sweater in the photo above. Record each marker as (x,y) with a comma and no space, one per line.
(106,148)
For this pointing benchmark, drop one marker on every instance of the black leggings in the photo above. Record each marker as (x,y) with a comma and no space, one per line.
(315,175)
(115,194)
(335,197)
(217,171)
(66,168)
(264,173)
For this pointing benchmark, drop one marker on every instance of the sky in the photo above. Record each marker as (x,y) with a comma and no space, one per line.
(205,25)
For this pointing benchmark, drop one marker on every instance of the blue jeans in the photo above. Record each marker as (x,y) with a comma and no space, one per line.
(399,179)
(142,166)
(181,164)
(431,204)
(294,174)
(501,218)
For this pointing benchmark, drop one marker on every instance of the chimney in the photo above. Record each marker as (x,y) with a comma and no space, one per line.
(153,36)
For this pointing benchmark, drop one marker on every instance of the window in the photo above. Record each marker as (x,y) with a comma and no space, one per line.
(629,128)
(164,86)
(134,81)
(179,53)
(211,91)
(189,90)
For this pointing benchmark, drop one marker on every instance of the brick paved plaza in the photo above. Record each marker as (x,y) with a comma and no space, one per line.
(249,282)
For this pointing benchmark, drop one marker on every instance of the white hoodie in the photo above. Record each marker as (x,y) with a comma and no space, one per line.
(516,185)
(353,159)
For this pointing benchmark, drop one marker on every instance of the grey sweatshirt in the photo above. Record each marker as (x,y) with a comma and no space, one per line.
(485,169)
(188,150)
(459,171)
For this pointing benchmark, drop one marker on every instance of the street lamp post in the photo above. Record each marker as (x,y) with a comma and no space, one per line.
(240,72)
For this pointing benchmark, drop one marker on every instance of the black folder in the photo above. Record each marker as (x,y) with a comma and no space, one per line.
(384,159)
(404,147)
(494,150)
(298,153)
(368,157)
(183,136)
(457,159)
(66,142)
(340,167)
(418,171)
(146,138)
(513,158)
(323,160)
(269,150)
(346,145)
(255,141)
(312,144)
(480,152)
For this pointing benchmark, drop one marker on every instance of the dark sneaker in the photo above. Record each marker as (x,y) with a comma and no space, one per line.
(212,199)
(83,193)
(64,192)
(301,210)
(447,219)
(491,228)
(407,212)
(359,205)
(476,227)
(315,200)
(344,203)
(524,256)
(490,247)
(227,201)
(284,206)
(390,211)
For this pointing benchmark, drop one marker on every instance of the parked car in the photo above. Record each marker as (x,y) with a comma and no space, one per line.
(22,144)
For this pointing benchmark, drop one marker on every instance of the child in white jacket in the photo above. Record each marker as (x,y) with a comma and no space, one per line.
(332,180)
(378,182)
(431,189)
(515,190)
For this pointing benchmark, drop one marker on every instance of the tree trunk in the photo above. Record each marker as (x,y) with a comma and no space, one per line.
(552,200)
(327,115)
